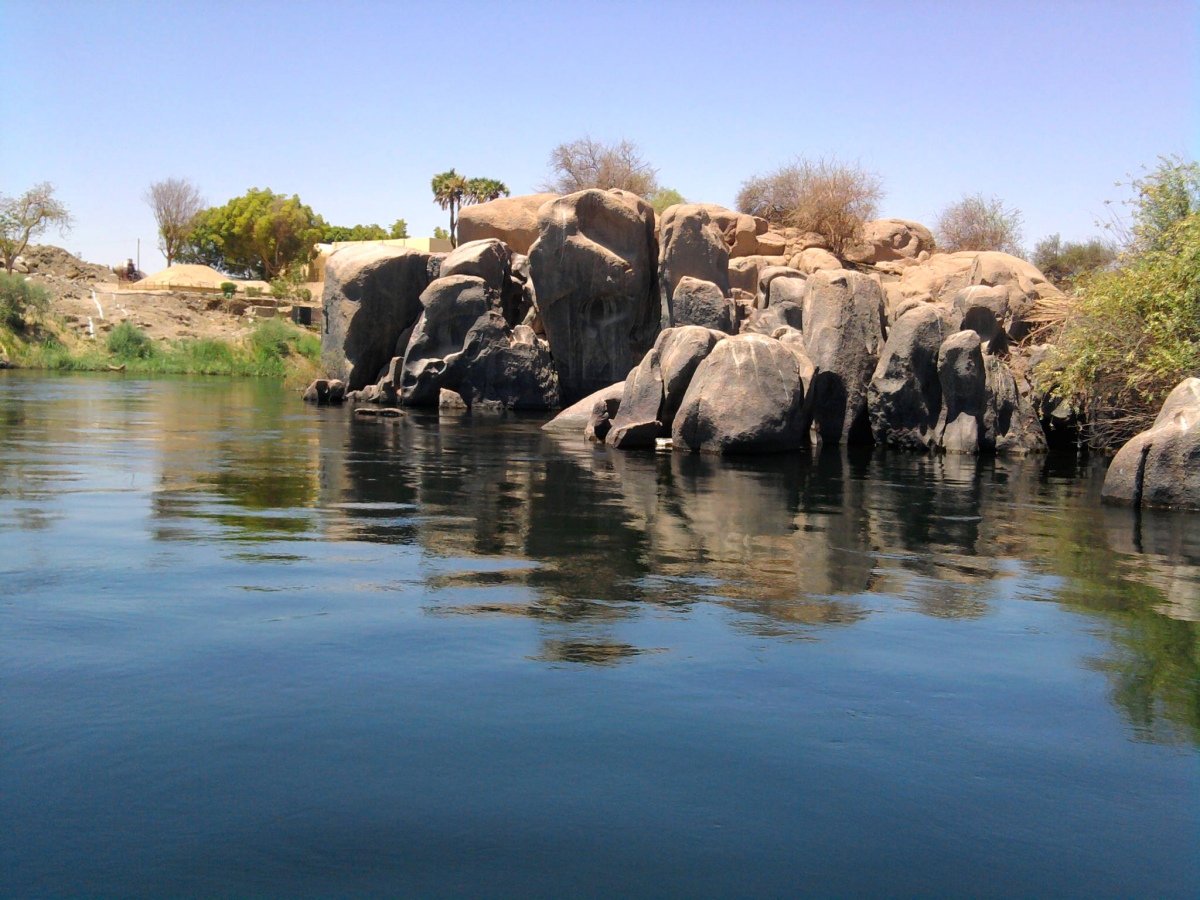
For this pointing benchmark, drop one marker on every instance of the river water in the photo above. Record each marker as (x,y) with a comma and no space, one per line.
(253,648)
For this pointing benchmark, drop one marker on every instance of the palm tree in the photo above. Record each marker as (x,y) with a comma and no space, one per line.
(452,191)
(449,189)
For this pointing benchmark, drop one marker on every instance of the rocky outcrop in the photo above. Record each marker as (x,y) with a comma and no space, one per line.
(371,299)
(512,220)
(744,271)
(463,343)
(594,269)
(739,231)
(844,335)
(983,411)
(1161,466)
(656,387)
(904,398)
(701,303)
(814,259)
(491,260)
(787,283)
(690,245)
(885,240)
(747,396)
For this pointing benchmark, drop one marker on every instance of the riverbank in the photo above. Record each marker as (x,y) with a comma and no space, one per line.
(75,316)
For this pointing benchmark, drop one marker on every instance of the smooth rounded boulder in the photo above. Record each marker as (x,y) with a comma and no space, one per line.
(655,388)
(513,220)
(594,266)
(904,398)
(747,396)
(1160,467)
(372,297)
(701,303)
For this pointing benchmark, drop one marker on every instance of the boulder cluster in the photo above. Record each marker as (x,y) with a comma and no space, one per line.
(703,326)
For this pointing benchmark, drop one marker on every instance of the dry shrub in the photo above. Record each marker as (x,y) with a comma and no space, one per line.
(977,223)
(825,195)
(587,163)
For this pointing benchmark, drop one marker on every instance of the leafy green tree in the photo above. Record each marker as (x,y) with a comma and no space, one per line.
(28,216)
(1131,334)
(399,230)
(18,298)
(440,234)
(1165,196)
(1065,263)
(453,191)
(260,235)
(664,198)
(335,233)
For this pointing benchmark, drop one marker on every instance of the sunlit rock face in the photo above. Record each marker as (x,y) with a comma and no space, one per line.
(371,299)
(594,269)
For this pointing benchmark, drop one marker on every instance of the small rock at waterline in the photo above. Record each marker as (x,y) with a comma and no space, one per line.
(379,412)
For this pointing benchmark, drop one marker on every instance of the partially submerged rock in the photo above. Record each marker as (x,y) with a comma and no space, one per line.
(656,387)
(746,396)
(594,269)
(372,298)
(1161,466)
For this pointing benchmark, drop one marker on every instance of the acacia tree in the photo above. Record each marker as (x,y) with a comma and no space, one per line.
(28,216)
(977,223)
(825,195)
(453,191)
(175,203)
(260,234)
(588,163)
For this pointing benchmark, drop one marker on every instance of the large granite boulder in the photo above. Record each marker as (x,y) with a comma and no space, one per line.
(697,302)
(885,240)
(371,299)
(463,343)
(844,328)
(904,398)
(655,388)
(983,409)
(594,269)
(509,219)
(963,379)
(689,244)
(747,396)
(744,271)
(739,231)
(1161,466)
(788,283)
(491,260)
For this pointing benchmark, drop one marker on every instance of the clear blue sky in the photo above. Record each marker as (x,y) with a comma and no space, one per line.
(355,105)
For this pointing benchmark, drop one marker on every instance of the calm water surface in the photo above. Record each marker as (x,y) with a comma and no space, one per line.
(251,648)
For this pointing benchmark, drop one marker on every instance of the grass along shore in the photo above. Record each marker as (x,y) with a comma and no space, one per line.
(273,349)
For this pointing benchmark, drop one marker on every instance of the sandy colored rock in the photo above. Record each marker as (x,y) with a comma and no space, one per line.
(509,219)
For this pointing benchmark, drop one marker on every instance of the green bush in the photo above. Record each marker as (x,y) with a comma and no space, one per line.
(19,298)
(253,292)
(128,342)
(1066,263)
(228,288)
(1131,335)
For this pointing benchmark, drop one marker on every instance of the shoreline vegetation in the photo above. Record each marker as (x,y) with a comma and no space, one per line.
(271,349)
